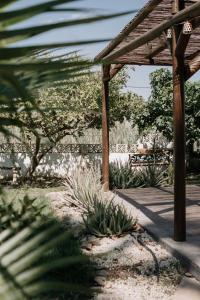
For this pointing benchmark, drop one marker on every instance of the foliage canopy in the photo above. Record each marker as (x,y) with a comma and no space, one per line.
(159,108)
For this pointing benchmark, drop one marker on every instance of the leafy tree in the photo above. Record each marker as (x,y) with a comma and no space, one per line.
(122,103)
(24,68)
(159,108)
(70,109)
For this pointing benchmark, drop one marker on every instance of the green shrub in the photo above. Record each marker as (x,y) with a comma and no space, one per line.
(152,176)
(101,218)
(83,187)
(39,260)
(21,212)
(42,262)
(108,219)
(122,176)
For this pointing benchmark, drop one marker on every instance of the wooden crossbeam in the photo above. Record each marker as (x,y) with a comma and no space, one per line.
(109,73)
(115,69)
(190,12)
(182,43)
(193,66)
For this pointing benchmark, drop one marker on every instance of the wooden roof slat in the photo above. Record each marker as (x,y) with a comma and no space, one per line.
(156,50)
(131,26)
(190,12)
(147,21)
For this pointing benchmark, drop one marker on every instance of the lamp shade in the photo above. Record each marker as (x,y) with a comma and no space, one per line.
(187,27)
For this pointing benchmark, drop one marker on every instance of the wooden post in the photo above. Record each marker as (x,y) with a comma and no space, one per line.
(179,136)
(105,127)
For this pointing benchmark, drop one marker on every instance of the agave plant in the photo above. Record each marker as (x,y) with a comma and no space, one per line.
(108,219)
(170,174)
(153,176)
(122,176)
(83,186)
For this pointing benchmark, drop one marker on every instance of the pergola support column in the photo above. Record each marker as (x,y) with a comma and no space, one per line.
(179,141)
(105,126)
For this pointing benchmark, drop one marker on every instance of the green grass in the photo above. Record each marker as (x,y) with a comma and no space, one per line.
(15,193)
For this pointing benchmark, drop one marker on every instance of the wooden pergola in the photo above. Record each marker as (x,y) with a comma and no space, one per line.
(163,33)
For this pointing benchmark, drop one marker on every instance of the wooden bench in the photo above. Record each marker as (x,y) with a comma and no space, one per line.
(159,157)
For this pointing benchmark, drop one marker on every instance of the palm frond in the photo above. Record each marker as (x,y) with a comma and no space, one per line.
(22,262)
(9,36)
(5,3)
(14,16)
(15,52)
(11,57)
(24,69)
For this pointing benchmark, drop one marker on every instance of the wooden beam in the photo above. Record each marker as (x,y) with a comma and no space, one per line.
(106,72)
(115,69)
(191,1)
(193,66)
(179,136)
(190,12)
(147,9)
(156,50)
(182,43)
(109,72)
(105,126)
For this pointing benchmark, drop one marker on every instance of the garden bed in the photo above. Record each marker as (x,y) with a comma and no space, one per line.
(132,266)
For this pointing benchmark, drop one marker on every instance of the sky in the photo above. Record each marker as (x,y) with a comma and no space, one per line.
(139,78)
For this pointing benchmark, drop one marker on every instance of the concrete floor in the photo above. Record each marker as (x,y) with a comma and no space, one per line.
(155,213)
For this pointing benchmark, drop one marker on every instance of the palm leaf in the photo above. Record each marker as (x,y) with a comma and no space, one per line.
(8,36)
(23,69)
(47,69)
(21,265)
(11,17)
(5,3)
(15,52)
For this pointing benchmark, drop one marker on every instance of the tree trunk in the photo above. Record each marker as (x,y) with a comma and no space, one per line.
(35,159)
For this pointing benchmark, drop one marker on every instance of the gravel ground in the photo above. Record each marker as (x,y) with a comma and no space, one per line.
(133,266)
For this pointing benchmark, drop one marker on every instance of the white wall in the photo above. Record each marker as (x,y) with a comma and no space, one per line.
(54,164)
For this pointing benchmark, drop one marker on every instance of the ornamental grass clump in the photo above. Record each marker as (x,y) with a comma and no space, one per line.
(152,176)
(83,186)
(101,216)
(122,176)
(108,219)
